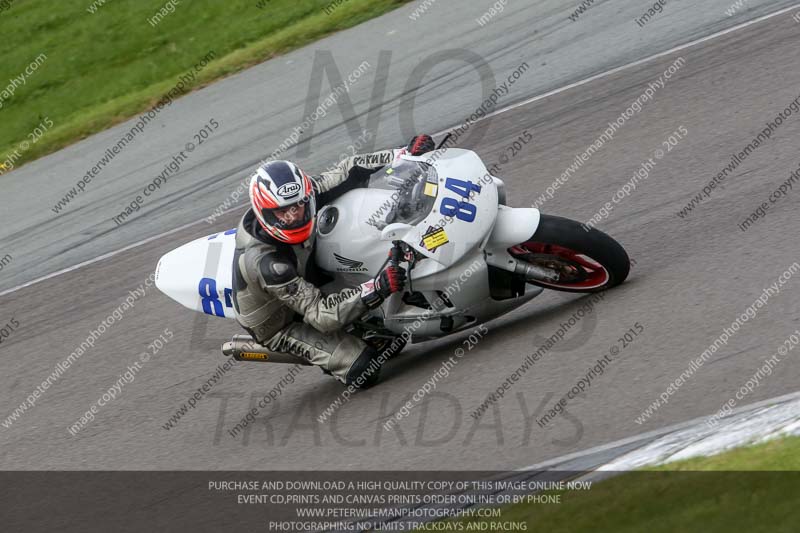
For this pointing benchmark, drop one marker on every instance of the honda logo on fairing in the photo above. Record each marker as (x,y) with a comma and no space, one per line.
(351,264)
(288,190)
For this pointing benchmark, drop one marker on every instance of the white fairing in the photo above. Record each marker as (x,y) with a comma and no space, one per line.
(355,238)
(198,275)
(352,238)
(514,225)
(464,222)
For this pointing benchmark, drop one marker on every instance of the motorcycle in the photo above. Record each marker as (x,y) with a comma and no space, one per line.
(469,257)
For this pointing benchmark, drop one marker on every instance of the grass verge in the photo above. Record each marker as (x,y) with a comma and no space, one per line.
(751,489)
(100,62)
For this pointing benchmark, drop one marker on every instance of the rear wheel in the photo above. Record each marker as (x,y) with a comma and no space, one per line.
(584,260)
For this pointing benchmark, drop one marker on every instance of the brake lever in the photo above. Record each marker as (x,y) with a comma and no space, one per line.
(446,138)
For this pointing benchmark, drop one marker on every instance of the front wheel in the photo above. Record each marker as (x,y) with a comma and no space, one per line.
(584,259)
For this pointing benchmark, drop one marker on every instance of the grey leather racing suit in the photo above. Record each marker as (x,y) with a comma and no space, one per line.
(276,291)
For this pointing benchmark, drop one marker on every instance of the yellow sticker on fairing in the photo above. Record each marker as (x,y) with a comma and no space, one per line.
(435,239)
(431,189)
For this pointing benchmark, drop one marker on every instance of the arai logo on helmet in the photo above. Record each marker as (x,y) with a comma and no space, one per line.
(288,190)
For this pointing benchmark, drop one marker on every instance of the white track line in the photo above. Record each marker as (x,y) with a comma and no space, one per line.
(651,435)
(495,113)
(639,62)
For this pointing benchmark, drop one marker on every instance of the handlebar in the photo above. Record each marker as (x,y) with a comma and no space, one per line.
(396,253)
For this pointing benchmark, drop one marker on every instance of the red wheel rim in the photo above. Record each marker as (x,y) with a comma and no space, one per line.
(590,273)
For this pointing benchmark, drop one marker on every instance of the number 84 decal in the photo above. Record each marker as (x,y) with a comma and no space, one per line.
(462,210)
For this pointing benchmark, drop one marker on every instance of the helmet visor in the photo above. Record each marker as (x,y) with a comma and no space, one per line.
(290,217)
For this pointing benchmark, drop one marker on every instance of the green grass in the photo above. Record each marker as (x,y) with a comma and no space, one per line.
(746,489)
(105,67)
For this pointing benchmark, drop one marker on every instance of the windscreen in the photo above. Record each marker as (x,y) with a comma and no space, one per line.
(415,187)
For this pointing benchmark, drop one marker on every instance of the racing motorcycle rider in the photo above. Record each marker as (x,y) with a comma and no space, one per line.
(276,293)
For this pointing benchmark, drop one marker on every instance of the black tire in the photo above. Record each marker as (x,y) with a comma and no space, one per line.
(556,237)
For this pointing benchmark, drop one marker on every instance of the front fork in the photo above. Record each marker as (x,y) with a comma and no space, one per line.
(526,270)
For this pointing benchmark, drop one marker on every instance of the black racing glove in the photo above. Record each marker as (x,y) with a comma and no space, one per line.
(391,279)
(421,144)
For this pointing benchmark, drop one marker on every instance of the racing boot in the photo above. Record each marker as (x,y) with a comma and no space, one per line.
(365,370)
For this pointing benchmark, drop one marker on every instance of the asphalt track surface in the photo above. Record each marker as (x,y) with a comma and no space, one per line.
(692,276)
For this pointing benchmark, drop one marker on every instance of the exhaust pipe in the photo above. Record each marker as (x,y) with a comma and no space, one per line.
(244,348)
